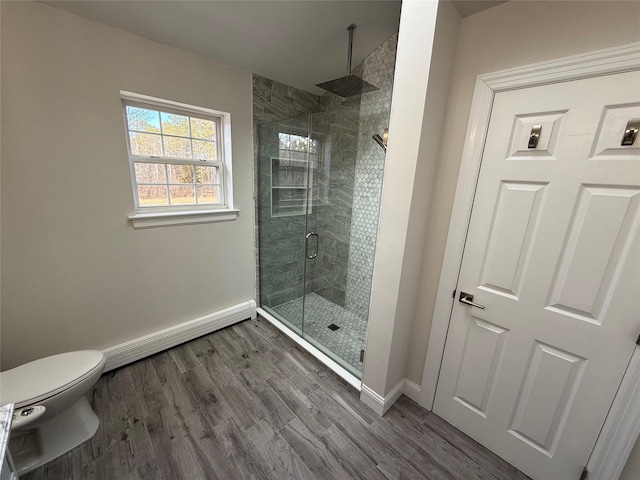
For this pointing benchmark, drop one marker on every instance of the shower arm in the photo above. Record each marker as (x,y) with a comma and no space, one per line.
(351,28)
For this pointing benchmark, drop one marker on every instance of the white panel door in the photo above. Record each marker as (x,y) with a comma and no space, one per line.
(553,254)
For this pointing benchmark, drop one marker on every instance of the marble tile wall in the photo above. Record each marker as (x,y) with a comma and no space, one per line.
(346,220)
(279,241)
(280,255)
(378,69)
(339,124)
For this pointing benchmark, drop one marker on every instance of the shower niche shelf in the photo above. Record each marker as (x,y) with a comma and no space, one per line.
(289,186)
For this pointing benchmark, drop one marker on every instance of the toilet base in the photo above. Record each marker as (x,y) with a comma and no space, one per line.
(53,436)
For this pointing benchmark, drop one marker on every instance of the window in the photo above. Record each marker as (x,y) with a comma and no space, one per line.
(179,157)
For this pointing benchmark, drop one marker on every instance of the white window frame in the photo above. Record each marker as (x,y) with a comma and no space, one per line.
(155,216)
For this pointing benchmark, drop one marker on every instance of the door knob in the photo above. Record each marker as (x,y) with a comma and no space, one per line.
(468,299)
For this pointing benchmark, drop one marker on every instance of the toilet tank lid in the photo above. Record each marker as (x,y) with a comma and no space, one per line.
(47,376)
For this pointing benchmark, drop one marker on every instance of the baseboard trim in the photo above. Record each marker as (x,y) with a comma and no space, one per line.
(411,390)
(377,402)
(138,348)
(380,404)
(372,400)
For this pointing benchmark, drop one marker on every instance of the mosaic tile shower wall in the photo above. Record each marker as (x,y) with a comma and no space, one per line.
(378,69)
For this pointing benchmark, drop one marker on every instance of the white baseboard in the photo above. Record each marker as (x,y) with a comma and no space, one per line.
(138,348)
(372,400)
(377,402)
(380,404)
(411,390)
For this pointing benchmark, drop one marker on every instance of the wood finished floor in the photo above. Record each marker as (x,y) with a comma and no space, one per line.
(247,403)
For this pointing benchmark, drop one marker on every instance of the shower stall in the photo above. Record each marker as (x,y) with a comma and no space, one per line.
(312,274)
(319,184)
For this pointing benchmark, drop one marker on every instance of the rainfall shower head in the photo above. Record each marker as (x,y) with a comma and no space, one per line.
(349,85)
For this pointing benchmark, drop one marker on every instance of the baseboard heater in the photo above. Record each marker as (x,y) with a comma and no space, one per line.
(141,347)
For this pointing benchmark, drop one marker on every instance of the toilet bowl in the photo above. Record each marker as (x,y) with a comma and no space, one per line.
(52,414)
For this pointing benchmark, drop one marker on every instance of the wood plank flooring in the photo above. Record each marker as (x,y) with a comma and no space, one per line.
(247,403)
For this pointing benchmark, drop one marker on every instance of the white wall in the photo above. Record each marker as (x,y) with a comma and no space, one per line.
(512,34)
(75,274)
(426,47)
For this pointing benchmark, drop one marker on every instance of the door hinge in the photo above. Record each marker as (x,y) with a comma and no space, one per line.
(361,355)
(453,295)
(638,340)
(585,474)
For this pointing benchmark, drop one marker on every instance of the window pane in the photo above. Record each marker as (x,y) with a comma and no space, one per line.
(297,142)
(173,124)
(177,147)
(204,150)
(180,173)
(145,144)
(182,195)
(207,175)
(284,141)
(152,195)
(143,120)
(205,129)
(208,194)
(150,173)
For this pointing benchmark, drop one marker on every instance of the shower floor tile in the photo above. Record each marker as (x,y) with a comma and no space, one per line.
(344,342)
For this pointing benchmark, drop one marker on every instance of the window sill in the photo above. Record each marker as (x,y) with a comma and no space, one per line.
(164,219)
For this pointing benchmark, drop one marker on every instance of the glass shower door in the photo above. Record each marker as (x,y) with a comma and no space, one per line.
(283,204)
(329,324)
(306,175)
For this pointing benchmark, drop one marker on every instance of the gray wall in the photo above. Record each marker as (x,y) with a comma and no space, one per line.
(75,274)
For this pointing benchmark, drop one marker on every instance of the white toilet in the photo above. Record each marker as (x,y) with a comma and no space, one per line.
(52,414)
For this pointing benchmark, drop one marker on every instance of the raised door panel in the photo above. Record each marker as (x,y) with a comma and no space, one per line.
(548,252)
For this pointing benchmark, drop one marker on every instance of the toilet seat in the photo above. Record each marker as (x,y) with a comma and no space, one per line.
(36,381)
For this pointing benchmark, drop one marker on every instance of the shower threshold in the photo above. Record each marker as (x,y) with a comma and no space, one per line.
(336,367)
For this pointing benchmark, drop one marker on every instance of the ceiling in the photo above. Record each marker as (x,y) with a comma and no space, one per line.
(300,43)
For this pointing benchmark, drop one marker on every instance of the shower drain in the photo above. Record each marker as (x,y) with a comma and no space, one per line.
(333,327)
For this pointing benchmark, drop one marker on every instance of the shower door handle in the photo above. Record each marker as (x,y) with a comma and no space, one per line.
(306,245)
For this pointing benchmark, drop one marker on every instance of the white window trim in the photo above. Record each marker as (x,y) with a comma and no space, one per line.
(146,217)
(184,217)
